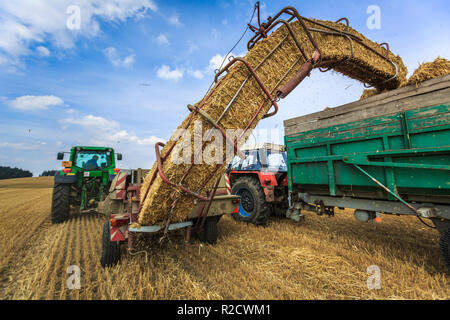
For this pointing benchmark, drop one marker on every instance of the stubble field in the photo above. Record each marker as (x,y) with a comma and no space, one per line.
(321,258)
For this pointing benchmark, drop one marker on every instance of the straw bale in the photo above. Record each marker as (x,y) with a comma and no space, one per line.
(368,93)
(429,70)
(426,71)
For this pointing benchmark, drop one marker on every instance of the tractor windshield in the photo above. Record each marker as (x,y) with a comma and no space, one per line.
(276,161)
(92,159)
(257,160)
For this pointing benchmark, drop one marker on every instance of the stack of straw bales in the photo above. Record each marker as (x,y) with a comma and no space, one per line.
(430,70)
(426,71)
(364,65)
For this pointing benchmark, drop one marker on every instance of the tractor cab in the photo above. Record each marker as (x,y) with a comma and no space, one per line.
(91,160)
(269,158)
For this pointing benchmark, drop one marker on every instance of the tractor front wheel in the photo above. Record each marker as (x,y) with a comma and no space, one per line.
(60,202)
(253,207)
(110,249)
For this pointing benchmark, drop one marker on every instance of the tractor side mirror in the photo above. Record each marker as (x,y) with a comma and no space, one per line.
(60,156)
(119,156)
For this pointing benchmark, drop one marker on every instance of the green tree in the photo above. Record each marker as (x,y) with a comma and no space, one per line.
(11,173)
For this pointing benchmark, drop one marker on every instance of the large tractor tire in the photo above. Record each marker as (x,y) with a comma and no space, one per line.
(110,249)
(445,247)
(60,202)
(253,207)
(210,231)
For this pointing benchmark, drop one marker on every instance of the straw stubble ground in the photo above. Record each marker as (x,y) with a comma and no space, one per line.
(322,258)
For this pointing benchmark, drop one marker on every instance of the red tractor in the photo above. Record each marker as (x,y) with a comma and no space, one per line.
(261,180)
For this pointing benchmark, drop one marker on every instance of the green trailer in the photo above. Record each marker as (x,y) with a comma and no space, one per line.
(386,154)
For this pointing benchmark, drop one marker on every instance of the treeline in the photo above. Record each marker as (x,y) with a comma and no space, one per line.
(48,173)
(11,173)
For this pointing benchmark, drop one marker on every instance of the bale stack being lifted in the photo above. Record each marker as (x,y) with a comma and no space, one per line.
(276,60)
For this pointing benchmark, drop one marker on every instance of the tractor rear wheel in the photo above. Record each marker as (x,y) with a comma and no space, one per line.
(210,231)
(60,202)
(110,249)
(445,247)
(253,207)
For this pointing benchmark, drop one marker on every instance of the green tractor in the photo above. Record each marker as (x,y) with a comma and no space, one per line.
(84,181)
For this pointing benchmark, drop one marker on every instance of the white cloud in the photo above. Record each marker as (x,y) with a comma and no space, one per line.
(162,40)
(198,74)
(25,22)
(125,137)
(175,20)
(215,63)
(43,51)
(115,58)
(19,146)
(107,132)
(167,74)
(151,140)
(90,121)
(29,103)
(192,47)
(129,60)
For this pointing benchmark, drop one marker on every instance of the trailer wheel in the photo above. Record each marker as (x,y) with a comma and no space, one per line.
(110,249)
(445,247)
(253,207)
(210,231)
(60,202)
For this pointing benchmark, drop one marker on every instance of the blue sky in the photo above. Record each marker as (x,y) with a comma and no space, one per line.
(124,77)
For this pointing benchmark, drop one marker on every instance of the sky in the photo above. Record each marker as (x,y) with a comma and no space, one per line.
(120,73)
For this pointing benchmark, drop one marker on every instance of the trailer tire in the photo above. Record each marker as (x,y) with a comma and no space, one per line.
(445,247)
(210,231)
(253,207)
(60,202)
(110,249)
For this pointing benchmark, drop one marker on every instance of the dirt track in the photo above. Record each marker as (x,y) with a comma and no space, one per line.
(322,258)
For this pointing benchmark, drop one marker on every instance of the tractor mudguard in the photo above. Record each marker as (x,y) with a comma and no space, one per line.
(65,179)
(268,179)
